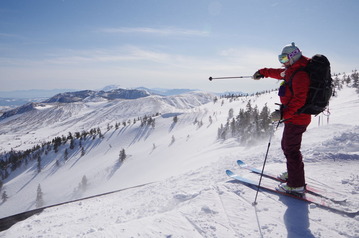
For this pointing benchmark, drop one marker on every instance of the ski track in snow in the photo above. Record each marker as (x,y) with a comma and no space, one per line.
(191,195)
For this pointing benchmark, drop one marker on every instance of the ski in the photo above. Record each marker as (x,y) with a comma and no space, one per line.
(309,189)
(307,197)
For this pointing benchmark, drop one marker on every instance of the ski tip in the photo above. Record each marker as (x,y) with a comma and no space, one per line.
(240,162)
(229,173)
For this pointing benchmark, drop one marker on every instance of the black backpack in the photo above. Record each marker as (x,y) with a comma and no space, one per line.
(321,85)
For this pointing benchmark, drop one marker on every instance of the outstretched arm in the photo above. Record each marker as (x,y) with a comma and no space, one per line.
(272,73)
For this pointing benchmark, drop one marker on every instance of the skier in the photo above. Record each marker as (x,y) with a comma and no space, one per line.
(293,94)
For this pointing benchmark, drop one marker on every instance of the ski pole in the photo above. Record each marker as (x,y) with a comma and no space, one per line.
(265,160)
(236,77)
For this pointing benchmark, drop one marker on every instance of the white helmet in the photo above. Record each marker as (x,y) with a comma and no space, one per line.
(290,53)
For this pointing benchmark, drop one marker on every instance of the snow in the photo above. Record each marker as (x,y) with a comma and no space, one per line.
(185,191)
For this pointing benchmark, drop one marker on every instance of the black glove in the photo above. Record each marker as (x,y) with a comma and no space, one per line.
(257,75)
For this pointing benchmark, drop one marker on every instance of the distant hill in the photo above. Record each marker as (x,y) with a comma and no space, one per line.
(33,93)
(13,99)
(79,96)
(89,94)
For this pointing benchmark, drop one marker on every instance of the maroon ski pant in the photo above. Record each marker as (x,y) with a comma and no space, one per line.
(291,142)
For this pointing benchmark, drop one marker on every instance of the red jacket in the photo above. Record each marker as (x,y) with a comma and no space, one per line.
(292,99)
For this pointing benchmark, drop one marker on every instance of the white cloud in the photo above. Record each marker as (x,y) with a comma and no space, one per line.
(136,66)
(78,57)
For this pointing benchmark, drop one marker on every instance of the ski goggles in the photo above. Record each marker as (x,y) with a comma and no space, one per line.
(283,58)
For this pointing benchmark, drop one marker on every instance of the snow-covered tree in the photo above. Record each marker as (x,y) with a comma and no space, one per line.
(248,126)
(39,197)
(230,113)
(173,139)
(83,184)
(4,197)
(39,164)
(82,151)
(122,155)
(175,119)
(66,155)
(72,144)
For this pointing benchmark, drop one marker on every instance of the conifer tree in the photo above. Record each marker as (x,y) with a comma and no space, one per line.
(72,144)
(175,119)
(230,113)
(122,155)
(82,151)
(66,155)
(39,197)
(39,164)
(264,118)
(355,79)
(248,126)
(84,183)
(4,197)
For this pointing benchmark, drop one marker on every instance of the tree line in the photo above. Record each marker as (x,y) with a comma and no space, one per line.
(11,160)
(252,124)
(248,126)
(350,80)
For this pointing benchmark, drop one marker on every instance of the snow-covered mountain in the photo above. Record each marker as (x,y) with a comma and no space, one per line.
(80,96)
(43,121)
(172,150)
(118,93)
(20,101)
(12,99)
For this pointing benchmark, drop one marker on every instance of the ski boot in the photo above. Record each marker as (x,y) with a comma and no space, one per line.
(283,187)
(283,176)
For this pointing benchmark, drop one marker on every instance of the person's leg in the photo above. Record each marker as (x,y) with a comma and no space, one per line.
(291,143)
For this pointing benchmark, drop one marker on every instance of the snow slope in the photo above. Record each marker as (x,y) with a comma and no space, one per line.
(189,194)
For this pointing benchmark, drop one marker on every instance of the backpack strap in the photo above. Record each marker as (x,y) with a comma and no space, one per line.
(289,83)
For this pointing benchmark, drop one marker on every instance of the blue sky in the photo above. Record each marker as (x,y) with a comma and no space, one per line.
(88,44)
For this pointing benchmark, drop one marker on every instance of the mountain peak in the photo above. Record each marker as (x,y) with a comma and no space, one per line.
(110,87)
(118,93)
(82,96)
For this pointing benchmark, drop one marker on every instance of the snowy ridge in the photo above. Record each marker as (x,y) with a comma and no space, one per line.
(47,120)
(191,195)
(118,93)
(81,96)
